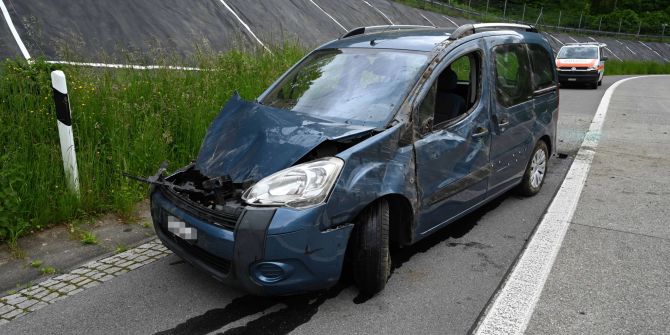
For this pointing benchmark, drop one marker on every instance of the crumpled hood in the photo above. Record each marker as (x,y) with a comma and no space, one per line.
(249,141)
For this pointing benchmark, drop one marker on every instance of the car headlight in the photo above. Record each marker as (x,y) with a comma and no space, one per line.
(593,68)
(299,186)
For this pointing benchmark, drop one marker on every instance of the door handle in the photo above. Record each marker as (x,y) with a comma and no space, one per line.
(480,132)
(504,121)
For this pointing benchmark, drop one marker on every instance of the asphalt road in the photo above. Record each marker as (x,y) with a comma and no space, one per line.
(440,285)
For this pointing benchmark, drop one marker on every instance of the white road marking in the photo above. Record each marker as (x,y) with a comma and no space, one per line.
(633,52)
(515,302)
(450,20)
(429,21)
(656,52)
(332,18)
(570,37)
(8,18)
(126,66)
(380,12)
(246,26)
(613,54)
(619,42)
(556,39)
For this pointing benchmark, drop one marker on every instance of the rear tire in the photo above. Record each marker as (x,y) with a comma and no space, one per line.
(371,254)
(536,170)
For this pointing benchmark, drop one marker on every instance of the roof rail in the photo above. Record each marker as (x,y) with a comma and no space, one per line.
(469,29)
(375,29)
(602,45)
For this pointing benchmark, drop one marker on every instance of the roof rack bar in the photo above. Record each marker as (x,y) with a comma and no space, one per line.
(469,29)
(600,44)
(374,29)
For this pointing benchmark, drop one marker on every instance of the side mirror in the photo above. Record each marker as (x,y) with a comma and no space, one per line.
(604,58)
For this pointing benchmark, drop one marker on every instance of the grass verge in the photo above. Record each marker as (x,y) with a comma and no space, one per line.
(636,67)
(123,120)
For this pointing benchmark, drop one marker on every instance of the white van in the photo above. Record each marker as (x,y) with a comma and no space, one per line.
(581,63)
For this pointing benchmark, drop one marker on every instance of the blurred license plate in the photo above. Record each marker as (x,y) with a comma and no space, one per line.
(180,229)
(572,79)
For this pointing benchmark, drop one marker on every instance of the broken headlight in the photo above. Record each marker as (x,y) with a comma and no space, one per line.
(299,186)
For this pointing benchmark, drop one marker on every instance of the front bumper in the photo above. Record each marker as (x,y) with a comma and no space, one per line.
(578,76)
(271,251)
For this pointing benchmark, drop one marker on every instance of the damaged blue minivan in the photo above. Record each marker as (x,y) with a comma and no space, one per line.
(371,142)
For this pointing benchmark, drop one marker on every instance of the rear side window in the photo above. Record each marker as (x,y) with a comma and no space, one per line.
(513,85)
(543,67)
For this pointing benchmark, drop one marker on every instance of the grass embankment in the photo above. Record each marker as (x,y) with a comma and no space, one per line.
(123,120)
(636,67)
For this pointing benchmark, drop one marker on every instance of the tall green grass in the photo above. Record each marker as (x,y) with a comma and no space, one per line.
(613,67)
(123,120)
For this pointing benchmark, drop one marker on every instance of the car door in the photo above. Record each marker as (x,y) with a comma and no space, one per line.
(545,88)
(452,158)
(512,118)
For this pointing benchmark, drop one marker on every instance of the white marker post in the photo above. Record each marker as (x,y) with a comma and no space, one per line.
(65,129)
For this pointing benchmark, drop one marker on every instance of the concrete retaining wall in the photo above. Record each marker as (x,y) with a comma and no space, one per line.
(121,31)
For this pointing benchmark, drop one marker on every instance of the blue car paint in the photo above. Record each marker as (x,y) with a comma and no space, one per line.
(249,141)
(310,244)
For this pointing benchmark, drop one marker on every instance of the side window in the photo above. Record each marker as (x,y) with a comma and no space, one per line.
(512,74)
(543,67)
(453,94)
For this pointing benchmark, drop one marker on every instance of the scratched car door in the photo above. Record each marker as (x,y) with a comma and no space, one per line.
(513,114)
(452,158)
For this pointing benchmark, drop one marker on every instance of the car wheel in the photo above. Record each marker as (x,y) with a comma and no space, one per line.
(371,254)
(533,177)
(600,82)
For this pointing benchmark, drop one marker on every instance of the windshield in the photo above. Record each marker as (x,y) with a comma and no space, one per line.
(578,53)
(357,86)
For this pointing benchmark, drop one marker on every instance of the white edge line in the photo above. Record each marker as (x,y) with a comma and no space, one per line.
(10,23)
(515,302)
(450,20)
(126,66)
(332,18)
(429,21)
(380,12)
(245,25)
(570,37)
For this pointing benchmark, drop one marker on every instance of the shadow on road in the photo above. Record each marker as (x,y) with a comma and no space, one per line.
(299,309)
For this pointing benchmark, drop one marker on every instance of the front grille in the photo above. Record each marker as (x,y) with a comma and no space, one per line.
(223,219)
(569,68)
(214,261)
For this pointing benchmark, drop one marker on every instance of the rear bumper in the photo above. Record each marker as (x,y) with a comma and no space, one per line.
(578,76)
(249,256)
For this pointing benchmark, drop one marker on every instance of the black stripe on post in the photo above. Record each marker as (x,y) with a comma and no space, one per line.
(62,107)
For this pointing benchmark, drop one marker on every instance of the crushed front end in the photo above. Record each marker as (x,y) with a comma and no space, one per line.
(264,250)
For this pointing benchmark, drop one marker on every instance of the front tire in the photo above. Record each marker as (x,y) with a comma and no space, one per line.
(533,177)
(371,254)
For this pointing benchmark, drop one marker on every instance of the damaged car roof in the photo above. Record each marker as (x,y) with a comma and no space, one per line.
(424,40)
